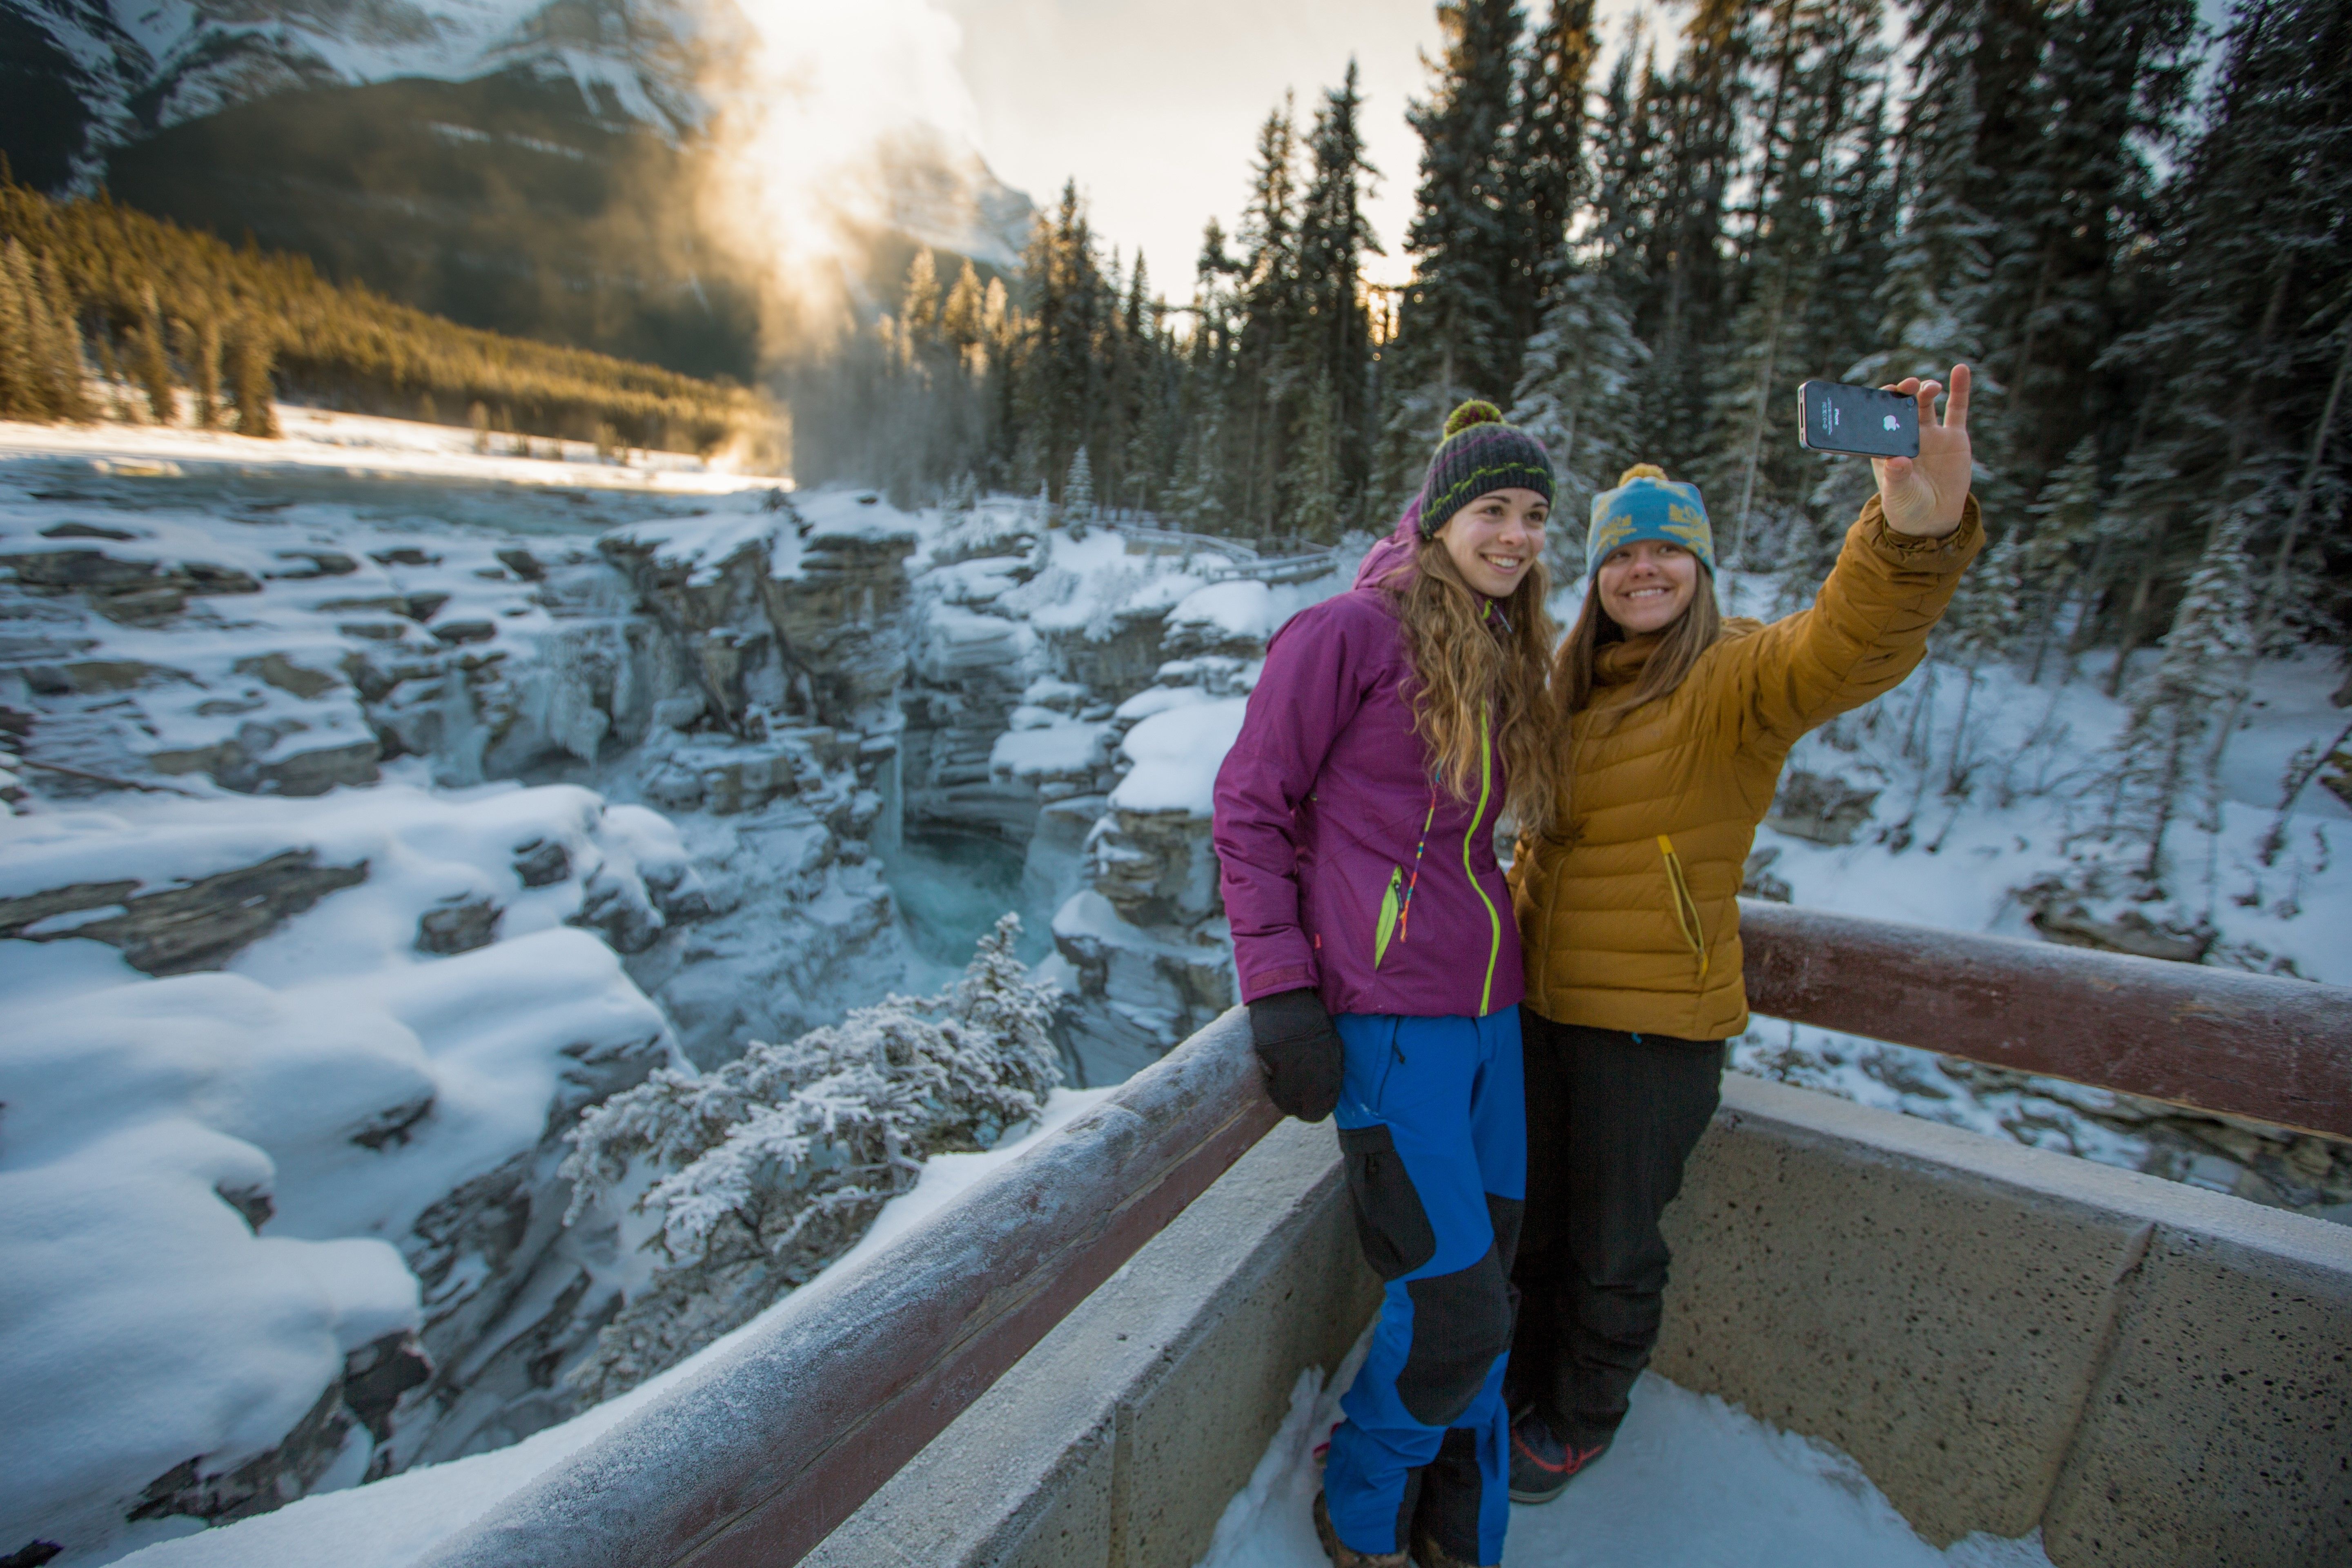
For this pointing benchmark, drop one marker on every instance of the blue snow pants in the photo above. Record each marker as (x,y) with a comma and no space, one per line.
(1432,1130)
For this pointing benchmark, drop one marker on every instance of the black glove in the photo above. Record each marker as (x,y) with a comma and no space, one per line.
(1300,1052)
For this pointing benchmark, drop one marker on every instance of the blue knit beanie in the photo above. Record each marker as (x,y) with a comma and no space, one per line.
(1479,454)
(1648,505)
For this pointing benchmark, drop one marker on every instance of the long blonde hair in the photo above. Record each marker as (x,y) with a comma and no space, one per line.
(1473,660)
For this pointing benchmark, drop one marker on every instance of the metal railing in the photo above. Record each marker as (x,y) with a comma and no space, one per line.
(761,1454)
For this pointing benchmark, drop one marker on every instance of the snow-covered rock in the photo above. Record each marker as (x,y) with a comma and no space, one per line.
(295,1222)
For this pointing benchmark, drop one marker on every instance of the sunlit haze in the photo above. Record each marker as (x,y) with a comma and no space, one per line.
(820,92)
(1152,105)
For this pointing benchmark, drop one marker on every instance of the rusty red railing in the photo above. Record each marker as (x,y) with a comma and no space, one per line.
(2245,1045)
(759,1455)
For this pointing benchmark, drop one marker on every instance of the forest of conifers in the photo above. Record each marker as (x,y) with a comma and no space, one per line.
(156,308)
(2134,230)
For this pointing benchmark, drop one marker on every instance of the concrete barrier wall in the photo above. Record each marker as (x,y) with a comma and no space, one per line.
(1121,1437)
(2002,1338)
(2006,1337)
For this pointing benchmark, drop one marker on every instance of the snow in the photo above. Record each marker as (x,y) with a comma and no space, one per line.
(1177,752)
(1242,609)
(333,1068)
(363,445)
(397,1520)
(763,520)
(702,545)
(131,1100)
(1691,1482)
(1062,747)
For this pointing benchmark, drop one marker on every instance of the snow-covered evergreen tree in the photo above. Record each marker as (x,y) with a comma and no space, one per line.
(2166,759)
(1078,493)
(2062,534)
(1580,395)
(1454,336)
(758,1174)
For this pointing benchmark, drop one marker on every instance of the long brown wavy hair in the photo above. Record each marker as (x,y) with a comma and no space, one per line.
(1472,655)
(1689,635)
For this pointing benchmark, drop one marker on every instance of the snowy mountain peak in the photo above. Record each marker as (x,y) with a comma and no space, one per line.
(132,69)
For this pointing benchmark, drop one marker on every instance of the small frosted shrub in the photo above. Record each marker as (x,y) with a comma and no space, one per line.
(762,1171)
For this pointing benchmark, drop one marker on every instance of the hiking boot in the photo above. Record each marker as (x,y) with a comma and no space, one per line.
(1541,1464)
(1343,1555)
(1427,1553)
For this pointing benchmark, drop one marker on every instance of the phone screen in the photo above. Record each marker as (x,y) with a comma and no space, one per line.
(1836,417)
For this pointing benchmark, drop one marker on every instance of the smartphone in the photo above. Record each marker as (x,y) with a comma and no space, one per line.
(1834,416)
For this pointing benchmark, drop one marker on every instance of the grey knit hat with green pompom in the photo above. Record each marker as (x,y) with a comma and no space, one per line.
(1480,453)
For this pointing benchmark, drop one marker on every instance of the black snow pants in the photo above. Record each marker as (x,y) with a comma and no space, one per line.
(1611,1119)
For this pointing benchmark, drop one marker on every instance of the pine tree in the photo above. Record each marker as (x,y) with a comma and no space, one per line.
(2109,96)
(1822,60)
(1078,491)
(19,372)
(918,311)
(1058,374)
(1983,622)
(1453,334)
(1683,309)
(1261,382)
(1547,156)
(148,366)
(961,318)
(2251,287)
(2167,760)
(1334,352)
(2064,532)
(200,351)
(1316,502)
(250,352)
(1582,397)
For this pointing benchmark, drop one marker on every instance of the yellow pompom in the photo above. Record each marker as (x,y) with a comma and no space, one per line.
(1472,413)
(1641,471)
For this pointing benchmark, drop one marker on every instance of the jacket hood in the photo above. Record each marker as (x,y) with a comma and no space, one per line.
(1397,550)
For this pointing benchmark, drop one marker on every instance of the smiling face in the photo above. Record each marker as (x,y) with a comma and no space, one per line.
(1645,584)
(1493,540)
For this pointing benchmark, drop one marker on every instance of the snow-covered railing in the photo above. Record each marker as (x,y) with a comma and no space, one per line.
(821,1401)
(1304,567)
(2256,1046)
(783,1436)
(1176,538)
(1240,560)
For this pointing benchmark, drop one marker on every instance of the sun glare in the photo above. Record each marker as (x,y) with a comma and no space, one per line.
(819,98)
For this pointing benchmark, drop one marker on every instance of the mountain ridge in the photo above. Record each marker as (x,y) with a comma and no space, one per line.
(526,166)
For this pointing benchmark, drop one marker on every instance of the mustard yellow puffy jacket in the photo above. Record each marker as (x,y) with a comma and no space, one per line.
(1628,909)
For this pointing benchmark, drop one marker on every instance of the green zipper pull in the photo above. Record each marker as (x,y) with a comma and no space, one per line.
(1391,902)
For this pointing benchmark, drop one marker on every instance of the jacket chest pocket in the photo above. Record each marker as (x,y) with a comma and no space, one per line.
(1391,1225)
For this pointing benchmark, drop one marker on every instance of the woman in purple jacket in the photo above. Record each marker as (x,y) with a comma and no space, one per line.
(1375,943)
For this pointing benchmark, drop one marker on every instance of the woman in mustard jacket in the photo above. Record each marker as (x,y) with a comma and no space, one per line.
(1674,724)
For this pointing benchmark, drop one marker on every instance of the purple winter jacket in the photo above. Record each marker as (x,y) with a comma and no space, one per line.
(1344,867)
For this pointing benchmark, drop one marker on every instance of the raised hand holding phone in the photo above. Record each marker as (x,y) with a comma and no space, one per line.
(1923,496)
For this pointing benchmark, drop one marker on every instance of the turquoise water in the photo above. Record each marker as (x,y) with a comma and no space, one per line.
(951,887)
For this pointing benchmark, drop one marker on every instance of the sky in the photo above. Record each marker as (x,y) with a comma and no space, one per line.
(1153,106)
